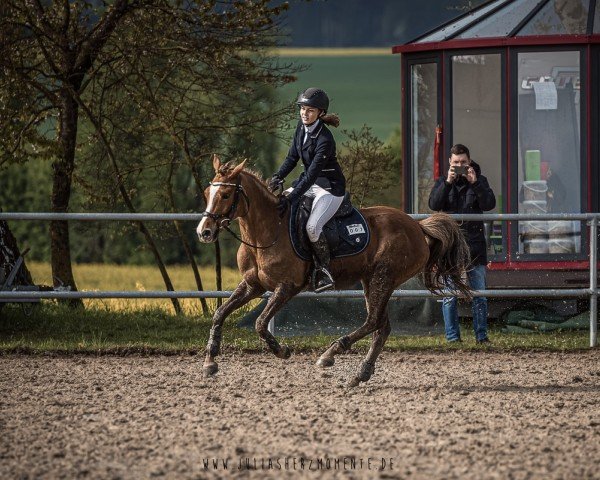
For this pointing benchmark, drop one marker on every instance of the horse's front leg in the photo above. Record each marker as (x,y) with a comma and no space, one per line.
(280,297)
(241,295)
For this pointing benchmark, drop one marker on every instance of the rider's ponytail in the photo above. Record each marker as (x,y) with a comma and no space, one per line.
(331,119)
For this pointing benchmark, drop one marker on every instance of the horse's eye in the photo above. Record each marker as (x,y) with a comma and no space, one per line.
(225,196)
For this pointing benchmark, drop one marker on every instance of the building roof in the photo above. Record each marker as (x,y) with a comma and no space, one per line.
(514,22)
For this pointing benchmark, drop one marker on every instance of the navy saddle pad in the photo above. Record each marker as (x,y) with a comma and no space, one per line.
(347,232)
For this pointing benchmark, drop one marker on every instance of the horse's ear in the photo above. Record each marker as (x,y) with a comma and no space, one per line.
(216,163)
(239,168)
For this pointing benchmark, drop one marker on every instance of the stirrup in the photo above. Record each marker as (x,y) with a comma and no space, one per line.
(322,288)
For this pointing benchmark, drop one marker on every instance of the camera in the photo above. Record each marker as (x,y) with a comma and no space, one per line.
(460,170)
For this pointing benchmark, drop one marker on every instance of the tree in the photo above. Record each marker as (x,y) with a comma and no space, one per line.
(369,166)
(75,67)
(46,53)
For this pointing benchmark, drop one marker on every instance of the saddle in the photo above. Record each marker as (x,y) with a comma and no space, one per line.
(347,232)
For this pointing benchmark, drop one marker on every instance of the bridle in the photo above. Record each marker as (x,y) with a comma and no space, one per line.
(228,217)
(224,219)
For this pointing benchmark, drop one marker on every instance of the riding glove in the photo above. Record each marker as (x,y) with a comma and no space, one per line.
(283,205)
(274,183)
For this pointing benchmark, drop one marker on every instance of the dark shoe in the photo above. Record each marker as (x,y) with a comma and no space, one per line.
(322,279)
(484,340)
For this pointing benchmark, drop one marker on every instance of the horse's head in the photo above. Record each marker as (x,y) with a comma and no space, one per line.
(224,198)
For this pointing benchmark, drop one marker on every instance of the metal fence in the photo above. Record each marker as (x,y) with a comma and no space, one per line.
(592,291)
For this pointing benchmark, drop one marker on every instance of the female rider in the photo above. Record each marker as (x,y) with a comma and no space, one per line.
(322,178)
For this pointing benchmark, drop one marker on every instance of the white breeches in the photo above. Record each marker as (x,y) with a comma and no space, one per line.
(323,209)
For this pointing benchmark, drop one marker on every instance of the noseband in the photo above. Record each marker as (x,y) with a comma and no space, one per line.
(224,219)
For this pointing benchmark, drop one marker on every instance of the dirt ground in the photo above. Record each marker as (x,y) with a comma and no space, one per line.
(467,415)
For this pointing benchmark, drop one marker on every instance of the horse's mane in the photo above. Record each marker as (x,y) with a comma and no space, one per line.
(256,175)
(226,169)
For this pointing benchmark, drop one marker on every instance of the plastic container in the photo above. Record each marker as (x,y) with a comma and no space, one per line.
(532,165)
(561,245)
(562,228)
(534,229)
(534,206)
(535,190)
(535,245)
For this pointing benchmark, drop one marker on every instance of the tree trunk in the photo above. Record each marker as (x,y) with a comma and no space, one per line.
(159,262)
(62,175)
(129,203)
(181,233)
(190,256)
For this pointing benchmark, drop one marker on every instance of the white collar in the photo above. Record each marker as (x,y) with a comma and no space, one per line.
(312,127)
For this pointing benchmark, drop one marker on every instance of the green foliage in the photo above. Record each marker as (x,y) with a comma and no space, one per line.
(25,188)
(369,166)
(159,87)
(394,195)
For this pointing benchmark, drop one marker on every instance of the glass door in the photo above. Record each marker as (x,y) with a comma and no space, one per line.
(477,120)
(422,120)
(550,172)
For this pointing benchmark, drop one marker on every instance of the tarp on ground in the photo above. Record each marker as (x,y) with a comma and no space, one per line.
(338,316)
(538,318)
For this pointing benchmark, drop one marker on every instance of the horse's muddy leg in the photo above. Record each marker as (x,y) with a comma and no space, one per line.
(280,297)
(367,367)
(327,359)
(377,294)
(241,295)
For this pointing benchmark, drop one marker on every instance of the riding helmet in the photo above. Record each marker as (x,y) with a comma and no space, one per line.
(314,97)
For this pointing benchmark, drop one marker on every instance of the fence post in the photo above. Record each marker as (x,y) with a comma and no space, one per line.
(593,281)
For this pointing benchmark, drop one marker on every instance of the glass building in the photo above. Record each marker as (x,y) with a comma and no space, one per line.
(518,82)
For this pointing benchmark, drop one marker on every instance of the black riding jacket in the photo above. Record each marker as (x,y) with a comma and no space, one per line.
(463,197)
(320,163)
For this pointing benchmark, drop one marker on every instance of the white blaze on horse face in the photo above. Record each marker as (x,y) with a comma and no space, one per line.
(212,194)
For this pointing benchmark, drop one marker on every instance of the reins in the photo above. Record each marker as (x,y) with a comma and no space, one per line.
(226,218)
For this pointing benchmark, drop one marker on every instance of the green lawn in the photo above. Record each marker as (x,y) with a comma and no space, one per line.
(52,328)
(122,326)
(138,278)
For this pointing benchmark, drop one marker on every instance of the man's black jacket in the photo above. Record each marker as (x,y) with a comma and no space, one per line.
(463,197)
(320,162)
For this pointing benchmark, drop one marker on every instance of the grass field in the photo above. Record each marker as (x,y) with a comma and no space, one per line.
(125,326)
(138,278)
(363,85)
(52,328)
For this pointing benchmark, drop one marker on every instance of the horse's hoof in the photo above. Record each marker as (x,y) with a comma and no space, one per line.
(284,352)
(366,371)
(210,369)
(325,362)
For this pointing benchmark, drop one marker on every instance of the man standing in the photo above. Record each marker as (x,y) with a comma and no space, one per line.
(465,190)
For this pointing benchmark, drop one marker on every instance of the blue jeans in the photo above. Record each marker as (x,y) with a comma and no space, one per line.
(476,279)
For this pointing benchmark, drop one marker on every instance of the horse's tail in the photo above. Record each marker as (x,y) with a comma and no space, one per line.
(449,256)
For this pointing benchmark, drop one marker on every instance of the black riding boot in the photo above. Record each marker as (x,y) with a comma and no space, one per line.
(322,279)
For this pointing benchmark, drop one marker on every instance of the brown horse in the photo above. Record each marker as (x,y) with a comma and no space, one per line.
(399,248)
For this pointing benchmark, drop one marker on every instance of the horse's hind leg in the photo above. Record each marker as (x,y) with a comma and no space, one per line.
(367,367)
(241,295)
(377,293)
(280,297)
